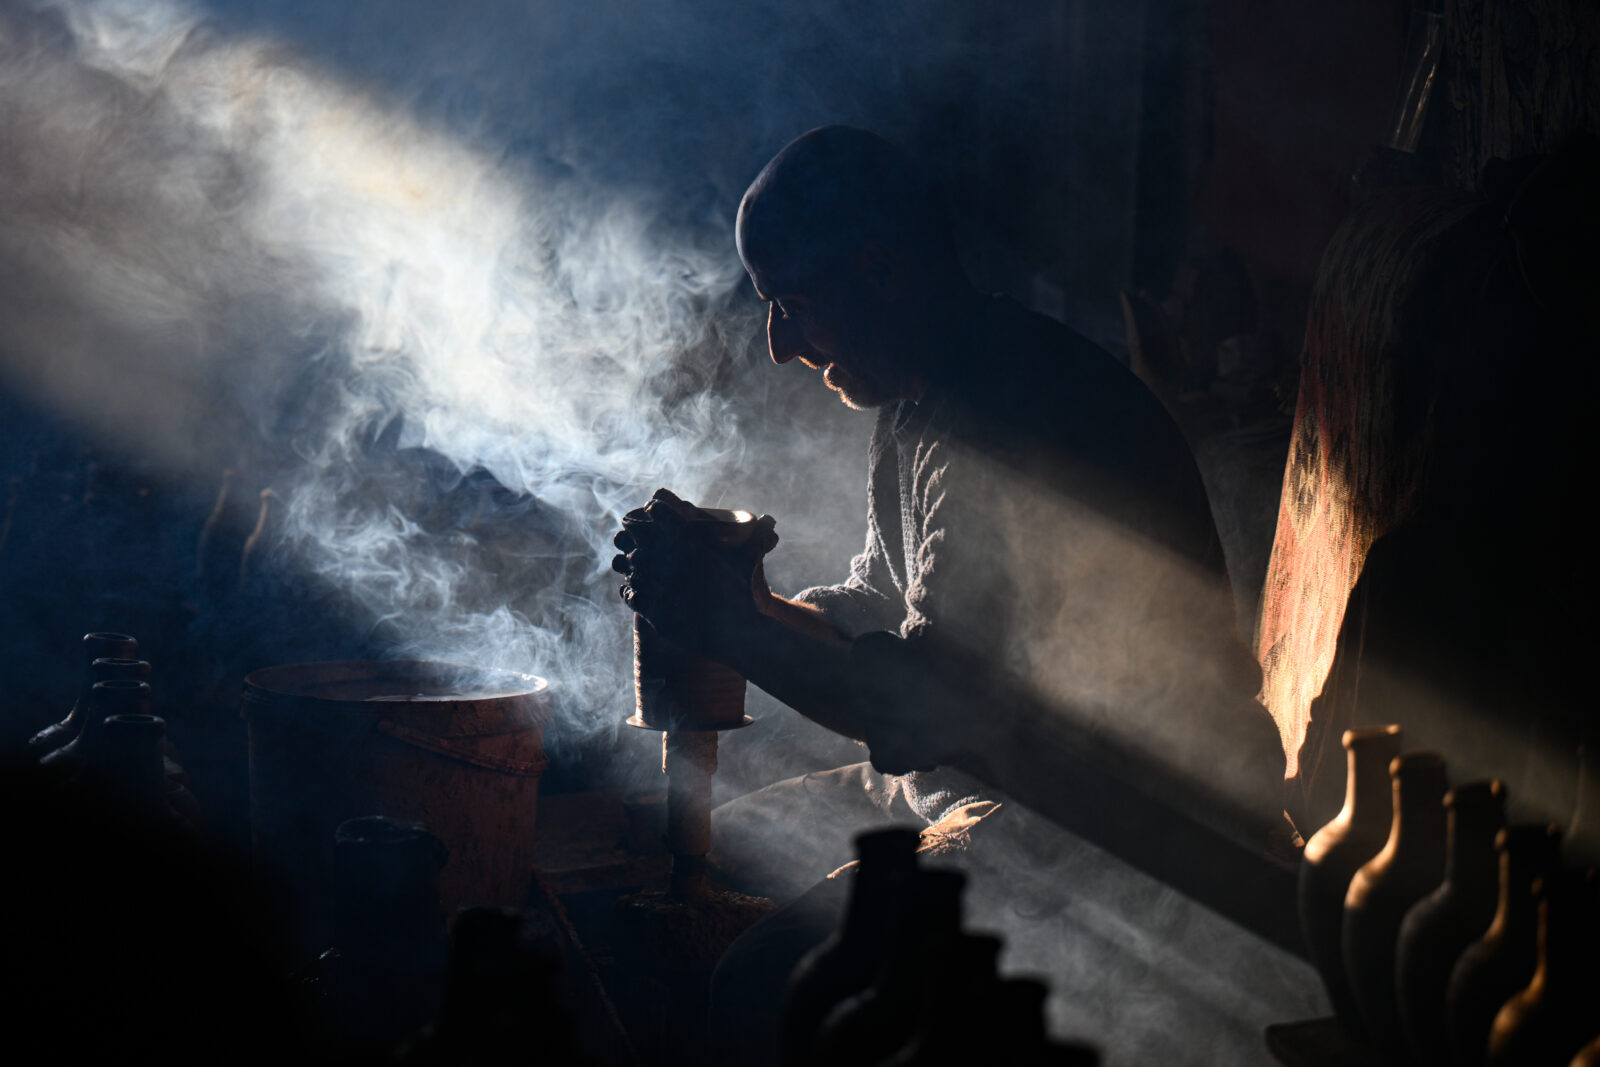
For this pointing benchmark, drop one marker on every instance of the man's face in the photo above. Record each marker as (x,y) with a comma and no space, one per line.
(830,331)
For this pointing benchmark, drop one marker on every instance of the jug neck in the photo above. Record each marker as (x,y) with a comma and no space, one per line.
(1367,790)
(1474,814)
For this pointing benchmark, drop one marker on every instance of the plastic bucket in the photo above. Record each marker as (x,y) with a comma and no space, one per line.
(458,748)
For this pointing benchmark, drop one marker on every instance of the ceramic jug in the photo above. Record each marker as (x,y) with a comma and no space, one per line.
(1335,852)
(1438,930)
(1410,867)
(1501,962)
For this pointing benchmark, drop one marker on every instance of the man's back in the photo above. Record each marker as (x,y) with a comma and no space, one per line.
(1037,527)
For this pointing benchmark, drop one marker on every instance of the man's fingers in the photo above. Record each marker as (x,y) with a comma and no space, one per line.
(664,510)
(765,539)
(620,564)
(624,541)
(639,596)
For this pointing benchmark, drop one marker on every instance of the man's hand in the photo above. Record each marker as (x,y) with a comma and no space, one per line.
(695,579)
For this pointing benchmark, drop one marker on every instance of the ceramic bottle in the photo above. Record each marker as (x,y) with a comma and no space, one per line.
(1438,930)
(1550,1021)
(1501,962)
(129,763)
(1335,852)
(117,696)
(852,957)
(95,646)
(1410,867)
(867,1029)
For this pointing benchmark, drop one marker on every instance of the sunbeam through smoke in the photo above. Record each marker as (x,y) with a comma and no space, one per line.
(459,365)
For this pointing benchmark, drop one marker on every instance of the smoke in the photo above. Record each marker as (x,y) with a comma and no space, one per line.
(455,361)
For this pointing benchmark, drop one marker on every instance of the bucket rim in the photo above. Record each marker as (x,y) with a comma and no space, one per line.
(262,678)
(292,685)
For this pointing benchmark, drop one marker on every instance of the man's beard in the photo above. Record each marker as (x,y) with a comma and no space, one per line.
(859,392)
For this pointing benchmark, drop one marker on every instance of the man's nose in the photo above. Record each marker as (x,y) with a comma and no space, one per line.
(784,339)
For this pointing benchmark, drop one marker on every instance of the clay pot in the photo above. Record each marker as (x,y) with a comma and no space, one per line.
(1410,867)
(852,957)
(1548,1023)
(1438,930)
(1335,852)
(1502,962)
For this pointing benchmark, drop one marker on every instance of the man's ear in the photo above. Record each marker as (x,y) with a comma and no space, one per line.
(882,268)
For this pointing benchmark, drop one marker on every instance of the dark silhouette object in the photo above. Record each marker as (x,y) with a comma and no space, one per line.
(95,646)
(935,998)
(872,1026)
(943,1035)
(1549,1022)
(852,958)
(118,696)
(1438,930)
(130,760)
(501,1000)
(1001,1021)
(127,942)
(381,981)
(107,668)
(1410,866)
(1491,971)
(1335,852)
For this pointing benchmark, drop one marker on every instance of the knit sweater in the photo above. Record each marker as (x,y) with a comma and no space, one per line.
(1038,518)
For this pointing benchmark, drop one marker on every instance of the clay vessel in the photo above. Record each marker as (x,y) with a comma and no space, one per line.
(992,1012)
(119,696)
(867,1029)
(128,762)
(1500,963)
(1335,852)
(852,957)
(1438,930)
(95,646)
(1550,1021)
(1410,867)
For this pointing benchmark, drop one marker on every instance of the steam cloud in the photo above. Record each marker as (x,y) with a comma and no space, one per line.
(463,362)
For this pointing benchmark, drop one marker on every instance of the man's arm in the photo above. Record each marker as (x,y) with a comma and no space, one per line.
(794,654)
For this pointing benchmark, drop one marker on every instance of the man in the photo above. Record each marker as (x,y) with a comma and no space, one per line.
(1040,551)
(1041,599)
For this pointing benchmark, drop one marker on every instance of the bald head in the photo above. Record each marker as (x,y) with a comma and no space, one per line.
(829,193)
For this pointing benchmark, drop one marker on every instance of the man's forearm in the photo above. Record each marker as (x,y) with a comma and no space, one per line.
(805,619)
(792,653)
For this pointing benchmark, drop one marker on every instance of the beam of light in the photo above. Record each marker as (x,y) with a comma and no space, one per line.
(226,256)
